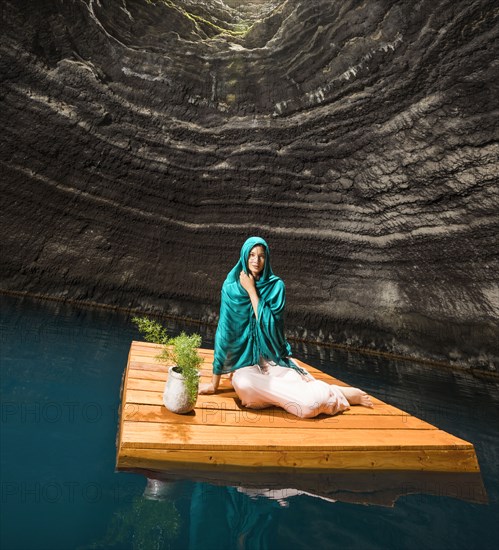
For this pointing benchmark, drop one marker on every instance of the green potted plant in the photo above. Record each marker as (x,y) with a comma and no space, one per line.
(181,388)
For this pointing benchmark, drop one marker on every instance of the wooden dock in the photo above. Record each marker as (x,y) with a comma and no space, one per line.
(222,436)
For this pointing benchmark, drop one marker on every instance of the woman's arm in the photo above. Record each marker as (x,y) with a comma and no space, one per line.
(248,283)
(211,387)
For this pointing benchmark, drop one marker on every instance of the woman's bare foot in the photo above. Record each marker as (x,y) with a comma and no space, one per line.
(356,397)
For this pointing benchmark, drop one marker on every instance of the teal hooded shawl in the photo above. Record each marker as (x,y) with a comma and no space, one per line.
(241,338)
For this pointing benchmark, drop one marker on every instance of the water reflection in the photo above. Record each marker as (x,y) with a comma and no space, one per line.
(381,488)
(243,510)
(151,521)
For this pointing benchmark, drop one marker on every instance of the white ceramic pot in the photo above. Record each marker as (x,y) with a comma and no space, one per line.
(175,396)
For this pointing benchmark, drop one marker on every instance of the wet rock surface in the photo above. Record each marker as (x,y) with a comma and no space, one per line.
(142,142)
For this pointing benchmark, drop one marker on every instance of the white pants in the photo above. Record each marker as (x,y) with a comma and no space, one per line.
(260,387)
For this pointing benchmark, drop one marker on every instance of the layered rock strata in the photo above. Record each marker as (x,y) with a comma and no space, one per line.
(143,141)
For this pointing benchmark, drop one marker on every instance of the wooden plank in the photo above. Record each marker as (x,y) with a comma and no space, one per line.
(168,436)
(146,385)
(229,401)
(143,374)
(149,347)
(235,404)
(214,459)
(143,370)
(273,417)
(157,383)
(156,366)
(153,366)
(146,397)
(152,350)
(146,353)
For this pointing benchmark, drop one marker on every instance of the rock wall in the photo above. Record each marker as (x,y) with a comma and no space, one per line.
(143,141)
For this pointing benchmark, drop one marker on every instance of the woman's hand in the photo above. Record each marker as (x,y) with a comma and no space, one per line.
(210,387)
(247,281)
(205,389)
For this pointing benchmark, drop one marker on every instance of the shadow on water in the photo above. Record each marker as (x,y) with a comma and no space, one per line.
(61,371)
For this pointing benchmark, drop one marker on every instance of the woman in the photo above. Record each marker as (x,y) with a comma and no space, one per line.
(250,344)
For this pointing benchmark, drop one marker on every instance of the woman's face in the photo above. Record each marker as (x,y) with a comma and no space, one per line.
(256,261)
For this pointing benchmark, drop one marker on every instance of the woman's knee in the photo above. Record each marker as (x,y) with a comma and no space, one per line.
(241,382)
(302,410)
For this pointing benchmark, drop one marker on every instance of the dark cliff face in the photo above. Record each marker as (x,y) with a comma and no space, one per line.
(142,142)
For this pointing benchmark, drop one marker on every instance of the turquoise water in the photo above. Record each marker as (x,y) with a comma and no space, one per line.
(61,371)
